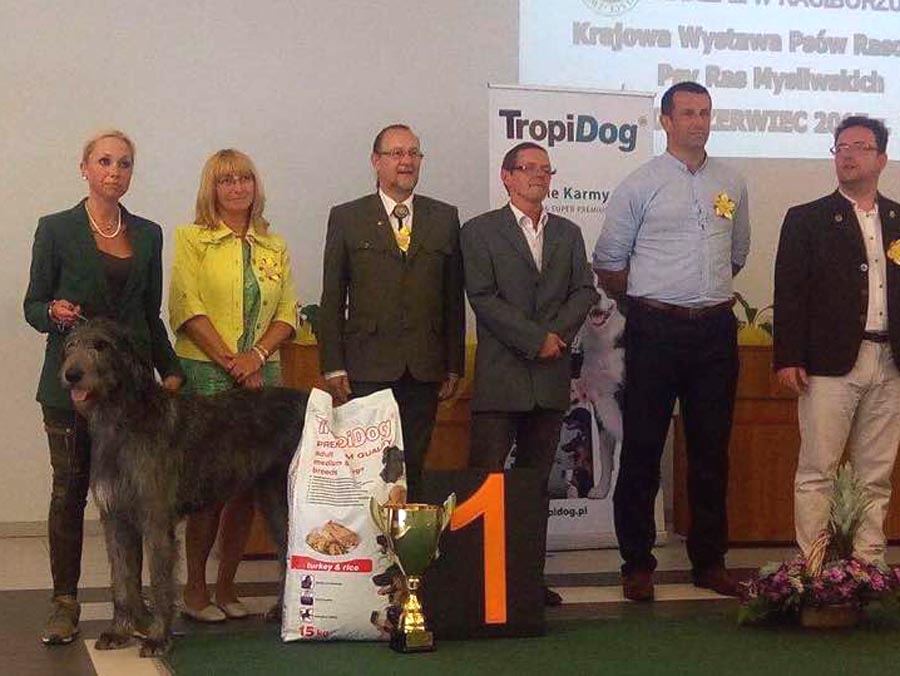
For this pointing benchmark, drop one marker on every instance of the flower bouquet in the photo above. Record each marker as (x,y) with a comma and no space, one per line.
(829,587)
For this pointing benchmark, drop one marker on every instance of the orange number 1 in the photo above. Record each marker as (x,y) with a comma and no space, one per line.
(488,502)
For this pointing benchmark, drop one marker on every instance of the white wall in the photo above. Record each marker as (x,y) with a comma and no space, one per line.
(301,86)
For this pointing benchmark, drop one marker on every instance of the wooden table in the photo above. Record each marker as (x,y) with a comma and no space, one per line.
(765,443)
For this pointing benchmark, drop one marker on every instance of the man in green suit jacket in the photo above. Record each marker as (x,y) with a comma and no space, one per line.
(392,312)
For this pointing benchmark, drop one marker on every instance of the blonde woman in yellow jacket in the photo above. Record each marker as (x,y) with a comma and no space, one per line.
(232,303)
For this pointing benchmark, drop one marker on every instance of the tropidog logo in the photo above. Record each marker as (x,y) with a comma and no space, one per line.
(611,7)
(573,129)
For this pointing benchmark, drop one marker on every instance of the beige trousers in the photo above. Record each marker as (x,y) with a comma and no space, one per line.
(859,411)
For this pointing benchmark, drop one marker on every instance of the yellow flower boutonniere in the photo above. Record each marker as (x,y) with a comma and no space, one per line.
(893,252)
(724,206)
(268,269)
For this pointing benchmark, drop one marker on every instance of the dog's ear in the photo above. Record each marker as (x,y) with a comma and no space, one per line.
(128,350)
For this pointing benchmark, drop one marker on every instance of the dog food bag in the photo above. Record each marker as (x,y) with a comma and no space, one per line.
(340,581)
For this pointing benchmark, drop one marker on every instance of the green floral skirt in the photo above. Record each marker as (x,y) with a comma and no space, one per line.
(207,377)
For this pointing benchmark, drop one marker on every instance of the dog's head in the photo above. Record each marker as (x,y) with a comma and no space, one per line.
(386,577)
(601,311)
(392,584)
(393,465)
(102,361)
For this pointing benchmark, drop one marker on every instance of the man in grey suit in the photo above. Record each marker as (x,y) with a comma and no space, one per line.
(530,285)
(392,312)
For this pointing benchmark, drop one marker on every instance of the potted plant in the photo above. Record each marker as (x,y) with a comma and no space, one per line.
(756,326)
(830,587)
(307,324)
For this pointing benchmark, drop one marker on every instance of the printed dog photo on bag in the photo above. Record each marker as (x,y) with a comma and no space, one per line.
(392,584)
(393,463)
(386,620)
(393,474)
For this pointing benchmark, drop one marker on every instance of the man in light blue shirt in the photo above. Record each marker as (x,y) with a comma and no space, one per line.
(676,232)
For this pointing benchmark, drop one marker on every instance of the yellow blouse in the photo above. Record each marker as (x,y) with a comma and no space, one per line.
(207,280)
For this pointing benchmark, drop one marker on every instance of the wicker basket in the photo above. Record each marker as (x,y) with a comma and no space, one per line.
(830,617)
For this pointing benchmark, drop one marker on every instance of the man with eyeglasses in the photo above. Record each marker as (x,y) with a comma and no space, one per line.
(530,286)
(837,334)
(676,231)
(393,311)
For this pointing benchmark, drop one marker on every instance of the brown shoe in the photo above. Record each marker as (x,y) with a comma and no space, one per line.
(638,585)
(551,598)
(718,579)
(62,625)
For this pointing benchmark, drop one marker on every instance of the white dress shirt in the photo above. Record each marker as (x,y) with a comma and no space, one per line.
(533,235)
(870,228)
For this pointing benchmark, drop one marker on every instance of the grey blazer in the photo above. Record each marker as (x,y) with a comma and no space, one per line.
(516,306)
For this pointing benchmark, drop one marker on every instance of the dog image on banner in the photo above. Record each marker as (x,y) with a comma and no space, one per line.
(583,473)
(341,582)
(591,435)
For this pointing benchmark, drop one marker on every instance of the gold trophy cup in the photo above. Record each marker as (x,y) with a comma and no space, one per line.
(412,532)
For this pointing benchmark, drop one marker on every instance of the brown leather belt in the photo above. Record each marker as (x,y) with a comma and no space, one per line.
(874,337)
(679,311)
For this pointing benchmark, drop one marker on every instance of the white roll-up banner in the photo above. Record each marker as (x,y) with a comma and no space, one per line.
(594,139)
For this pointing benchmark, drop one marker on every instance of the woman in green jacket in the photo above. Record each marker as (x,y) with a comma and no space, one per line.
(232,303)
(93,260)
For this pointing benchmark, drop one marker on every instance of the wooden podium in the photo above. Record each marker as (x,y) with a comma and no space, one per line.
(449,447)
(765,443)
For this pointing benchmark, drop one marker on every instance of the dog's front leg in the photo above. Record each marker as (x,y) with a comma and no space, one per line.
(160,538)
(123,548)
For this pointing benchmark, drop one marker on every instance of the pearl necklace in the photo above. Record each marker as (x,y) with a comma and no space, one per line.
(97,229)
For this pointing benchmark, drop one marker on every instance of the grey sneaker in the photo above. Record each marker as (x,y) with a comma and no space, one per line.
(62,625)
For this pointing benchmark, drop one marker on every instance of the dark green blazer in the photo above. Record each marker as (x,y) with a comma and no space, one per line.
(822,285)
(382,312)
(65,264)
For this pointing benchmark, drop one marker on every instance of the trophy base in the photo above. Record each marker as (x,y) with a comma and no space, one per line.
(414,642)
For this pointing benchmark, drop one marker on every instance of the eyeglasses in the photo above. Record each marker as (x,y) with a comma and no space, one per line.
(398,154)
(535,169)
(858,147)
(234,179)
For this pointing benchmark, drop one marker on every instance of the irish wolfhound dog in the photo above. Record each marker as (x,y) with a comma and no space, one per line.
(157,456)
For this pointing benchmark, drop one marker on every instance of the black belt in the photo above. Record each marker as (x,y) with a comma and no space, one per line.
(876,337)
(680,311)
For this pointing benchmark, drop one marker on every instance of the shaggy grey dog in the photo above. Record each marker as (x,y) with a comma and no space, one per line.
(158,456)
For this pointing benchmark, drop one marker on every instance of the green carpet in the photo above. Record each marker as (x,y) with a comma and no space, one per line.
(632,644)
